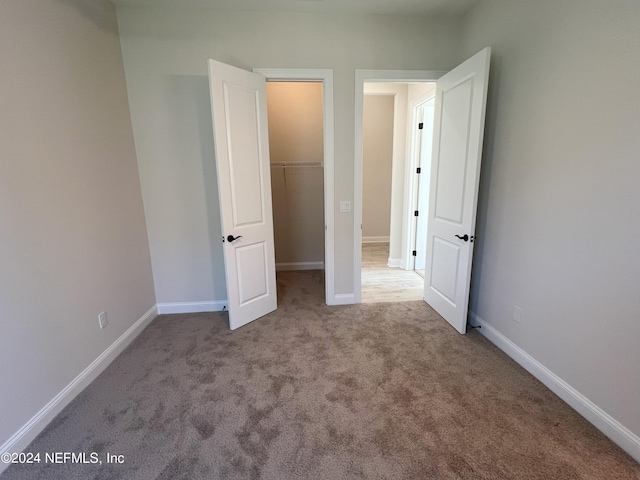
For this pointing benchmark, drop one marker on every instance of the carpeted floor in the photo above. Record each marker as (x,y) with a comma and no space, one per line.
(377,391)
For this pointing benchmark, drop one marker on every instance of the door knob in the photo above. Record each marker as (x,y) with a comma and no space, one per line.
(465,237)
(231,238)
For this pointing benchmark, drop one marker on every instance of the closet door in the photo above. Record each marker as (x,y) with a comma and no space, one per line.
(239,109)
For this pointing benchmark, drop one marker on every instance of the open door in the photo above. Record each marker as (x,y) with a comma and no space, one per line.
(461,99)
(239,110)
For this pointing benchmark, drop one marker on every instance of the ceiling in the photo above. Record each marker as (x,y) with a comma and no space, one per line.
(387,7)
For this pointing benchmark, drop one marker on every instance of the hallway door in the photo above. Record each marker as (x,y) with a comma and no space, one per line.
(461,98)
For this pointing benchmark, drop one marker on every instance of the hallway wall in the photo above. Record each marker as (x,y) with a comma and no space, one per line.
(377,166)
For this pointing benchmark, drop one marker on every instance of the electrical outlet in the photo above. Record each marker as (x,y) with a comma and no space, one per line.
(517,314)
(102,320)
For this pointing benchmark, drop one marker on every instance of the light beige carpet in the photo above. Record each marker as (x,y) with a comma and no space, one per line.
(377,391)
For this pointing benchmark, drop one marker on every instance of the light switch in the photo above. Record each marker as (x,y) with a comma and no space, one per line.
(345,207)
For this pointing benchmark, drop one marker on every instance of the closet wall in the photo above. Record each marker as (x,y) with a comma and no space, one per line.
(297,173)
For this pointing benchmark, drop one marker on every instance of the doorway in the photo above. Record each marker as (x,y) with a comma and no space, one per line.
(325,77)
(397,127)
(296,134)
(459,116)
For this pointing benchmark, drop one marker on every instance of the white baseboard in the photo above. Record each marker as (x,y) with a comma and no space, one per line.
(30,430)
(192,307)
(283,267)
(604,422)
(375,239)
(394,262)
(342,299)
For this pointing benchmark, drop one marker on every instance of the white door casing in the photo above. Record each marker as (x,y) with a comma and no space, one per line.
(239,112)
(461,97)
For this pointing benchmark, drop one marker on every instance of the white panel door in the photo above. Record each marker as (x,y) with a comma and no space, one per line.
(239,110)
(461,98)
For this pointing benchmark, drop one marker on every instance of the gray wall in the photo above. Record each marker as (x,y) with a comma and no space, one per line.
(165,53)
(398,174)
(72,231)
(559,209)
(377,156)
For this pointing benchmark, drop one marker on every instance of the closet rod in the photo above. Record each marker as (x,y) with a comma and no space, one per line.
(296,164)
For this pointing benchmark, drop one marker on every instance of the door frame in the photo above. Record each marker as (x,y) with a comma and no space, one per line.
(362,77)
(326,77)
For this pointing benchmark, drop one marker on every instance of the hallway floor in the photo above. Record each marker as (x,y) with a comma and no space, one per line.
(381,283)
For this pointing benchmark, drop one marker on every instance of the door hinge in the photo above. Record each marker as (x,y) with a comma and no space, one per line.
(415,214)
(418,170)
(420,126)
(414,253)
